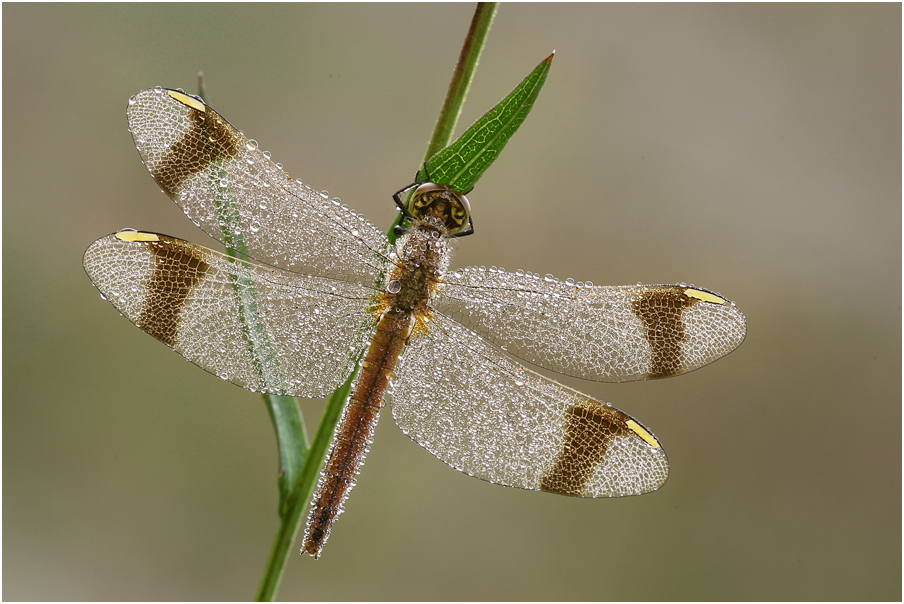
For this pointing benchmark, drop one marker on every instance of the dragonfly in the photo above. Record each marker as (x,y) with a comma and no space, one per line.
(313,288)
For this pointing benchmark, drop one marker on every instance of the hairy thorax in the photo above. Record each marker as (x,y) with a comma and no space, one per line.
(423,258)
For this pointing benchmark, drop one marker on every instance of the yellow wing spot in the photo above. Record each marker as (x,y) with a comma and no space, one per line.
(641,432)
(705,296)
(188,100)
(136,236)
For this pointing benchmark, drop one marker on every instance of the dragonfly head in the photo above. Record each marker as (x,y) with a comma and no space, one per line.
(442,202)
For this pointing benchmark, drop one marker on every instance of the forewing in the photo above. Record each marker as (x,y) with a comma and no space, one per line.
(609,334)
(232,190)
(264,329)
(483,414)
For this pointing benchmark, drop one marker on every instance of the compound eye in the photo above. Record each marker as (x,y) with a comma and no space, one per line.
(442,202)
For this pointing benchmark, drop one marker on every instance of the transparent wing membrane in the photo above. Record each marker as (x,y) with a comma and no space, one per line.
(261,328)
(610,334)
(487,416)
(234,192)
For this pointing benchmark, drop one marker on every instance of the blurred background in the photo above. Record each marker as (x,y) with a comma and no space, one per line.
(750,149)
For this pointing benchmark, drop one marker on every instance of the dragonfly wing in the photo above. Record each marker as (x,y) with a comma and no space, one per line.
(262,328)
(483,414)
(232,190)
(610,334)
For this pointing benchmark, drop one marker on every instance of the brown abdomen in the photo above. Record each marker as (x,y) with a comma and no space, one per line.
(355,431)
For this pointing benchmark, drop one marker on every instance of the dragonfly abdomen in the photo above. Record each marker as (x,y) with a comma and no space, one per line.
(404,309)
(355,431)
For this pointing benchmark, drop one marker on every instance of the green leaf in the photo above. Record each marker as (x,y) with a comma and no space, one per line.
(291,439)
(461,164)
(291,442)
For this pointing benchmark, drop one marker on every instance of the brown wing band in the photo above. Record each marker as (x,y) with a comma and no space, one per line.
(208,141)
(177,270)
(587,433)
(661,313)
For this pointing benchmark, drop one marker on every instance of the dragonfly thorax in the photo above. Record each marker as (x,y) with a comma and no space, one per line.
(442,202)
(423,258)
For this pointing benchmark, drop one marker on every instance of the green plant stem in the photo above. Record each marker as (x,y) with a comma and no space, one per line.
(293,506)
(462,78)
(292,514)
(475,40)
